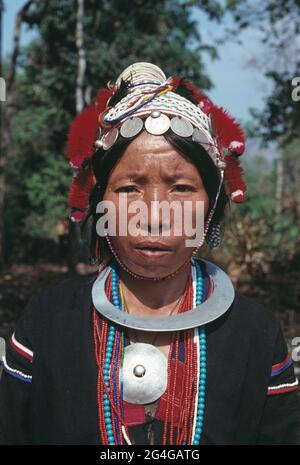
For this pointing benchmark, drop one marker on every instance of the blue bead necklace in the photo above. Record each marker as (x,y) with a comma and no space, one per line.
(200,408)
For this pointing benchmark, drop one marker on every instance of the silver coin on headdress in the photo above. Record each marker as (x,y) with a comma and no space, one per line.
(110,138)
(131,127)
(145,373)
(201,137)
(181,126)
(157,123)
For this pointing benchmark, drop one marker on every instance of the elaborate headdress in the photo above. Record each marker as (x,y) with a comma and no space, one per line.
(156,104)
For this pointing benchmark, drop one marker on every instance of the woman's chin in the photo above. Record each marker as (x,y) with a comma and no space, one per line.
(151,265)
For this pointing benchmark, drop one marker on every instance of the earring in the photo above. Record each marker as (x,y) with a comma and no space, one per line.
(214,237)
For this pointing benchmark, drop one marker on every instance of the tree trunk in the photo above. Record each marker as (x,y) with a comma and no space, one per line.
(76,245)
(6,116)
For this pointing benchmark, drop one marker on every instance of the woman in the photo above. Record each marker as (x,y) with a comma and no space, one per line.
(157,348)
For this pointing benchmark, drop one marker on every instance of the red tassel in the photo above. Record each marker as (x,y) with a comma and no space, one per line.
(234,178)
(80,189)
(228,132)
(76,216)
(80,145)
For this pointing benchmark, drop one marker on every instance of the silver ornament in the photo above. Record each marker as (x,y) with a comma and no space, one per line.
(131,127)
(98,143)
(181,126)
(200,137)
(220,164)
(155,114)
(110,138)
(139,371)
(157,123)
(218,303)
(145,373)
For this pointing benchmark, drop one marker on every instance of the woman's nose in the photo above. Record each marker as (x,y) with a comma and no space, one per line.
(157,221)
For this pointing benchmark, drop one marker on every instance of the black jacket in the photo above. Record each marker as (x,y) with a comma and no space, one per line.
(59,406)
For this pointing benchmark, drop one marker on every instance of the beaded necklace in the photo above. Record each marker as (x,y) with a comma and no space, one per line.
(109,343)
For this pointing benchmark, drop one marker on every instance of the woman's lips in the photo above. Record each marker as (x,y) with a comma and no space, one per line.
(152,251)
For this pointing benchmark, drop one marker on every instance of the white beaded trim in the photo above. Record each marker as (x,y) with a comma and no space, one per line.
(13,370)
(280,386)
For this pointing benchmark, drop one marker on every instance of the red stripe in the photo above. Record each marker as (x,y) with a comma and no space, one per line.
(279,365)
(20,351)
(282,390)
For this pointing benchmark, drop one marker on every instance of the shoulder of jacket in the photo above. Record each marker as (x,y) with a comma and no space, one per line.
(66,289)
(253,313)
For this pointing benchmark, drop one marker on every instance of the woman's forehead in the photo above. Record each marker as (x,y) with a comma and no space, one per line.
(149,150)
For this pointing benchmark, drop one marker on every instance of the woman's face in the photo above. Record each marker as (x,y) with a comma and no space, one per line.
(151,171)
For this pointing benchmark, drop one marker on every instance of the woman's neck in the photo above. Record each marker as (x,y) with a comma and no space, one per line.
(146,297)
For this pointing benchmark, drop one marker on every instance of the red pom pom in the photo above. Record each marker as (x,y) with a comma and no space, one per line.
(226,129)
(238,196)
(237,147)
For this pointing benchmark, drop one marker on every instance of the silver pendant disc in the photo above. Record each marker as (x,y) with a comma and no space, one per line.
(145,373)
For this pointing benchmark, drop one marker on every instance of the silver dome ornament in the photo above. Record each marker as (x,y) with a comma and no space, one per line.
(157,123)
(139,371)
(98,144)
(181,126)
(110,138)
(131,127)
(144,372)
(221,164)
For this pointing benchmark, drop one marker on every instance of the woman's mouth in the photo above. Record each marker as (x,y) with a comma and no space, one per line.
(153,250)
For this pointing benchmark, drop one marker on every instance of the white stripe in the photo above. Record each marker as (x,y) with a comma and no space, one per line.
(18,372)
(194,279)
(18,344)
(295,383)
(125,436)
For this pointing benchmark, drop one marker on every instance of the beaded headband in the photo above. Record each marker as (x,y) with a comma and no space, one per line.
(155,104)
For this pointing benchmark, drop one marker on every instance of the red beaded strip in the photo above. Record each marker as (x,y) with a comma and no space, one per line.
(185,423)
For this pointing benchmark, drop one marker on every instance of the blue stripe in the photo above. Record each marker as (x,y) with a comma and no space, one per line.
(283,368)
(16,375)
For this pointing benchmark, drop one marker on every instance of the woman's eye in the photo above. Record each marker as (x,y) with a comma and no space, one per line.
(126,189)
(183,188)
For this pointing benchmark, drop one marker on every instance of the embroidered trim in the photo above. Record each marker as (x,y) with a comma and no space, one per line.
(281,388)
(15,373)
(20,348)
(280,367)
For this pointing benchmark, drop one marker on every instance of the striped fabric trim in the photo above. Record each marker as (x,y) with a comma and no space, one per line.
(280,367)
(282,388)
(15,373)
(20,348)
